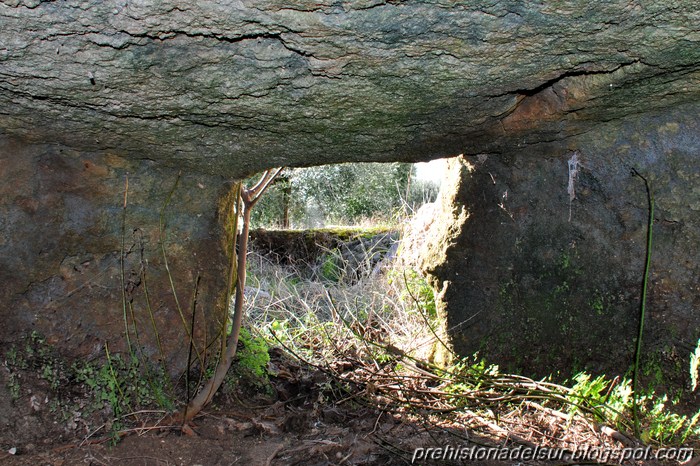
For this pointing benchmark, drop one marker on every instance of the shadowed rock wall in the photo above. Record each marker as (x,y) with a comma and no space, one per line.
(61,220)
(535,292)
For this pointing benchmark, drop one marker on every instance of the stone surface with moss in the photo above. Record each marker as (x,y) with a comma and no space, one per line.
(536,292)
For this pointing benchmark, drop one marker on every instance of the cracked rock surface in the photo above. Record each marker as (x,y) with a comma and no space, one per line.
(235,87)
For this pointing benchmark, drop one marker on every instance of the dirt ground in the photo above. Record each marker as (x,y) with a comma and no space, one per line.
(224,440)
(302,420)
(297,424)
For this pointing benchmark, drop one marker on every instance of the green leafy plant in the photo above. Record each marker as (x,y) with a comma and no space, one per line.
(117,385)
(36,355)
(12,357)
(598,303)
(13,386)
(609,399)
(613,401)
(122,384)
(660,424)
(419,290)
(468,375)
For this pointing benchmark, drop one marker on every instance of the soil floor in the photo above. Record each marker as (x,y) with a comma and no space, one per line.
(301,421)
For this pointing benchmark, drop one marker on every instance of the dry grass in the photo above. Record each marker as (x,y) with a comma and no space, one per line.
(376,337)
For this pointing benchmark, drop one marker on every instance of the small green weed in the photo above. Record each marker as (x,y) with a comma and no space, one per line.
(468,375)
(35,355)
(12,357)
(13,386)
(613,402)
(122,384)
(598,303)
(117,384)
(606,398)
(418,290)
(665,426)
(251,368)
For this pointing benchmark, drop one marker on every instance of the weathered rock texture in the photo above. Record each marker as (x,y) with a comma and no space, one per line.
(535,292)
(238,86)
(61,220)
(92,91)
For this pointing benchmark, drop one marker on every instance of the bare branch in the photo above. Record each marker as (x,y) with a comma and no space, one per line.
(263,179)
(261,189)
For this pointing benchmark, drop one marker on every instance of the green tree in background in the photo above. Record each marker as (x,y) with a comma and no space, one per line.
(341,194)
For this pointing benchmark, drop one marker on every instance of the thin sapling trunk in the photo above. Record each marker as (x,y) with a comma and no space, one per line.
(248,198)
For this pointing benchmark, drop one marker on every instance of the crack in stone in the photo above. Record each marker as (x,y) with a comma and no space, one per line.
(165,35)
(570,74)
(545,100)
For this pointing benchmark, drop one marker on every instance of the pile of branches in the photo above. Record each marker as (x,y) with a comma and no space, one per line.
(467,403)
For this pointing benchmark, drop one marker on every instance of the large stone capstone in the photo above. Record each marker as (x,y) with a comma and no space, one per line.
(235,87)
(96,94)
